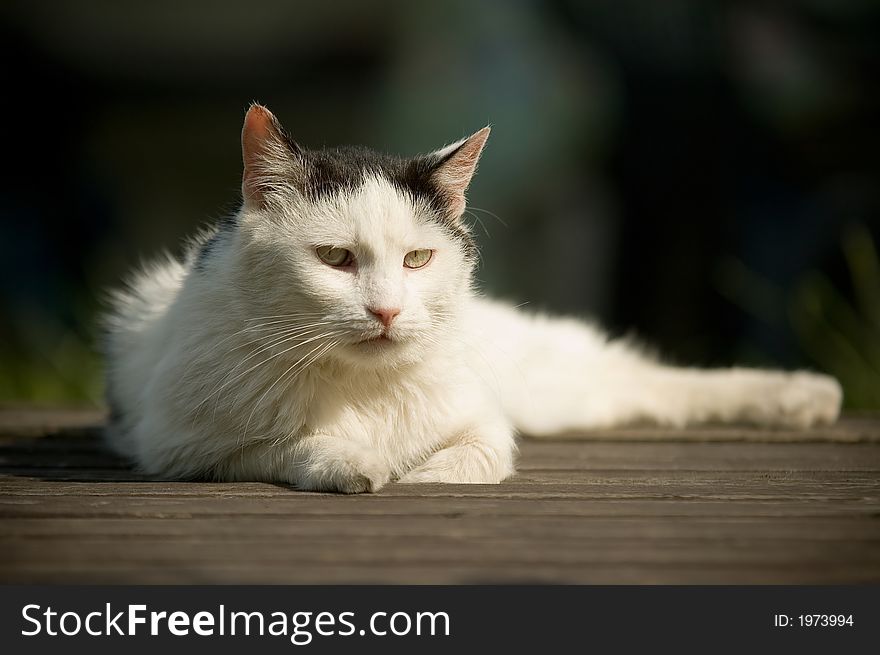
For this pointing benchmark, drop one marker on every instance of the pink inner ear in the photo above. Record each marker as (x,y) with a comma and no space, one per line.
(257,126)
(258,130)
(455,174)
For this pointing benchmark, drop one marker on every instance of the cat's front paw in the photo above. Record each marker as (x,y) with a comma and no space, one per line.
(461,465)
(360,470)
(428,474)
(808,399)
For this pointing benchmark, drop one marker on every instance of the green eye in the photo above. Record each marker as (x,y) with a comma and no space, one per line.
(417,258)
(334,256)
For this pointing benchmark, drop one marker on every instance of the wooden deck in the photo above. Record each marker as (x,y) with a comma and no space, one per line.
(635,506)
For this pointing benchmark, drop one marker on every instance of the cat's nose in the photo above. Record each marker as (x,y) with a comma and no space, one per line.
(385,314)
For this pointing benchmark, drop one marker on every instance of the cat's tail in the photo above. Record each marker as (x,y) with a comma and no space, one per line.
(558,375)
(550,373)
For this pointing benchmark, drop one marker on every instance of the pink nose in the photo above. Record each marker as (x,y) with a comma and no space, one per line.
(385,315)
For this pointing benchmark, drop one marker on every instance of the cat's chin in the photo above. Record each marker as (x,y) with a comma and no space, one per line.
(382,341)
(379,353)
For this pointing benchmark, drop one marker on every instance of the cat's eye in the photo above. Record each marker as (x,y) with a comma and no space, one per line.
(417,258)
(334,256)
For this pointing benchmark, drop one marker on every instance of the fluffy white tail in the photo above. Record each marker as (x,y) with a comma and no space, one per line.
(555,375)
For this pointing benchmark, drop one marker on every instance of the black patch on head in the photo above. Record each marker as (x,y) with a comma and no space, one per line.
(329,172)
(339,170)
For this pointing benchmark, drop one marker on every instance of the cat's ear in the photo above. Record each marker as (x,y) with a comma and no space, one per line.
(455,166)
(272,160)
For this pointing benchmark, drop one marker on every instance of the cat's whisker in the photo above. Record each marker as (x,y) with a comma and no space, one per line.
(492,214)
(257,365)
(273,339)
(321,350)
(299,343)
(315,358)
(238,397)
(283,338)
(224,340)
(480,221)
(283,316)
(279,334)
(282,321)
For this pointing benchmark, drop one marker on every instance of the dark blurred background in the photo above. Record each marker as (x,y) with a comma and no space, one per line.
(703,175)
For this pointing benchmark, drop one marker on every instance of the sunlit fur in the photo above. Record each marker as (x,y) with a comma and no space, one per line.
(252,366)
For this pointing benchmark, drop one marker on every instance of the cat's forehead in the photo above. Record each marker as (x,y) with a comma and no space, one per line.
(340,171)
(360,196)
(376,213)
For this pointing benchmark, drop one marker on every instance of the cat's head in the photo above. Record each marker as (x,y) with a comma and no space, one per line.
(364,253)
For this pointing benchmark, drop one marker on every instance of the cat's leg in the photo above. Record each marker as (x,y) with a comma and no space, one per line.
(316,462)
(481,454)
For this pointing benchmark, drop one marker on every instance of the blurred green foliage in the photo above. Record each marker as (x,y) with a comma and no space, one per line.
(50,362)
(843,338)
(835,334)
(69,372)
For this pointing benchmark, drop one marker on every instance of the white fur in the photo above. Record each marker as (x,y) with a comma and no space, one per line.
(250,370)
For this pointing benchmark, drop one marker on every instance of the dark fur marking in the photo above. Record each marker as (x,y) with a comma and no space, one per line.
(340,170)
(225,226)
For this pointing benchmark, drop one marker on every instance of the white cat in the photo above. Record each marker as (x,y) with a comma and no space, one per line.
(329,336)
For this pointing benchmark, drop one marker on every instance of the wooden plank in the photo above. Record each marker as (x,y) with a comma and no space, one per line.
(35,421)
(543,483)
(210,528)
(853,428)
(442,559)
(699,456)
(719,505)
(295,505)
(863,495)
(437,549)
(561,455)
(454,573)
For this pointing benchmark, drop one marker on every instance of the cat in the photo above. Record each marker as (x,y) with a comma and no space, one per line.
(329,336)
